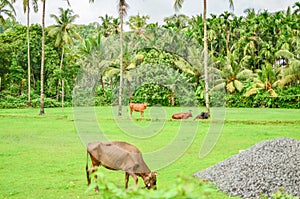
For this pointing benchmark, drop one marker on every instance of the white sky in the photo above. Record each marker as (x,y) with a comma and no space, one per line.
(156,9)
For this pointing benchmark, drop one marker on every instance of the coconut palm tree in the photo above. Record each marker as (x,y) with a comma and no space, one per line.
(233,75)
(177,5)
(42,100)
(42,110)
(267,79)
(122,8)
(176,21)
(64,33)
(227,27)
(296,6)
(6,8)
(26,7)
(95,56)
(106,25)
(291,73)
(138,23)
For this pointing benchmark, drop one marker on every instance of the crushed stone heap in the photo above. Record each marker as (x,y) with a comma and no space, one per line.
(261,169)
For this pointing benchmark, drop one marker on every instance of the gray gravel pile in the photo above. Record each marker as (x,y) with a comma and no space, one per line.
(261,169)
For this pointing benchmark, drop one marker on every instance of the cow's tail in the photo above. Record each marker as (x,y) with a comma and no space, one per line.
(87,168)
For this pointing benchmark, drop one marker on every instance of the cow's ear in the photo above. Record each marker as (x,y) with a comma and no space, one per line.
(154,173)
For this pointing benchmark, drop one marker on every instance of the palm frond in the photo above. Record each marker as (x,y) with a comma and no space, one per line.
(218,87)
(273,93)
(25,2)
(238,85)
(251,91)
(178,4)
(284,53)
(230,87)
(245,74)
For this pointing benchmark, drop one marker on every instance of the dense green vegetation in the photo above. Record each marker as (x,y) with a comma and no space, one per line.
(254,61)
(43,156)
(255,58)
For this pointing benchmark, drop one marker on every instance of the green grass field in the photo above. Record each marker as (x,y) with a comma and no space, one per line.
(44,156)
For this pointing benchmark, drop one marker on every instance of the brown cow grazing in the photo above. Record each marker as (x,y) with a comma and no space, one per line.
(138,108)
(185,115)
(202,115)
(119,156)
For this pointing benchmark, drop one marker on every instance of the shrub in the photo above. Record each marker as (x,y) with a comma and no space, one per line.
(288,98)
(153,94)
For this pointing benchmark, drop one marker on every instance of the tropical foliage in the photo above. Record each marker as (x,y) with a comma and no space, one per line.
(254,59)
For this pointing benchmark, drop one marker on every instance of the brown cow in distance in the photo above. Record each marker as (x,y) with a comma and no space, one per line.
(138,108)
(119,156)
(185,115)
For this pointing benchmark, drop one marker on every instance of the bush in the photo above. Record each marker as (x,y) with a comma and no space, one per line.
(9,101)
(288,98)
(153,94)
(48,103)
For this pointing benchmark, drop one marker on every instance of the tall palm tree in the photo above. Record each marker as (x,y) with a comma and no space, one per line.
(177,5)
(106,24)
(6,8)
(26,7)
(42,100)
(64,33)
(122,8)
(42,110)
(227,26)
(138,23)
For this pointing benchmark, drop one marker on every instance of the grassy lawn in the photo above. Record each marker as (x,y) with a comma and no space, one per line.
(44,156)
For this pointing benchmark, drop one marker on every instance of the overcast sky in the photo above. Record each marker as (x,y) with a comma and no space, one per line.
(156,9)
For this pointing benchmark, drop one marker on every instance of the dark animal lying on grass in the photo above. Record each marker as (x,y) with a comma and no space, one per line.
(138,108)
(202,115)
(119,156)
(185,115)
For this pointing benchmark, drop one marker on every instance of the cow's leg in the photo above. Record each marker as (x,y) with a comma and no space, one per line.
(135,178)
(142,114)
(91,171)
(96,188)
(131,112)
(87,169)
(126,180)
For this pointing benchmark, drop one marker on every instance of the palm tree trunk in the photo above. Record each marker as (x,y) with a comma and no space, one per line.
(42,110)
(227,42)
(62,80)
(173,98)
(121,67)
(102,85)
(28,58)
(205,59)
(63,95)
